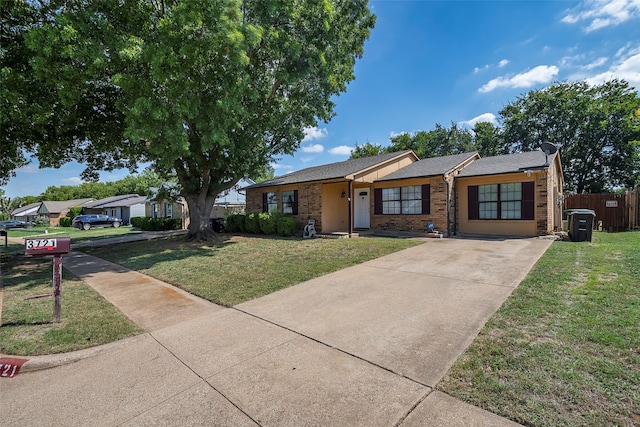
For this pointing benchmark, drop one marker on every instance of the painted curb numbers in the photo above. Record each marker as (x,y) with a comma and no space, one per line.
(9,367)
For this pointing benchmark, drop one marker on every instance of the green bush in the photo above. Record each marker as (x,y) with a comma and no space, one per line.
(156,224)
(137,221)
(267,223)
(74,211)
(235,223)
(286,225)
(65,221)
(252,223)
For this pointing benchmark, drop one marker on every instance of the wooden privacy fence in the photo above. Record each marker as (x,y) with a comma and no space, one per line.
(614,212)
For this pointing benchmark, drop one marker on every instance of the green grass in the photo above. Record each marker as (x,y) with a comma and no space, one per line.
(76,235)
(243,268)
(564,349)
(27,329)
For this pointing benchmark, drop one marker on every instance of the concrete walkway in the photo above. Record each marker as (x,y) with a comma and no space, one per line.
(362,346)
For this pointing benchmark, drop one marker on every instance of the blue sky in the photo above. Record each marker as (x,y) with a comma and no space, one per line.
(446,61)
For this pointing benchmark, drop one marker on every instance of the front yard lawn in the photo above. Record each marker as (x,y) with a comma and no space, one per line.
(242,268)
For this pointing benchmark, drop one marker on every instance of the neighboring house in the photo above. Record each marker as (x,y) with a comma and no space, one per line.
(233,201)
(326,193)
(418,194)
(516,194)
(227,203)
(27,213)
(51,211)
(163,208)
(124,207)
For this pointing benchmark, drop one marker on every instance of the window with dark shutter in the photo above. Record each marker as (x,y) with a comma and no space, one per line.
(264,202)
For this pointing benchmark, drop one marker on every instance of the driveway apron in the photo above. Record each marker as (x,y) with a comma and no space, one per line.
(362,346)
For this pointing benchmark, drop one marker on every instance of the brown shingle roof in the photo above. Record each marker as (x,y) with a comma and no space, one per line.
(432,166)
(331,171)
(508,163)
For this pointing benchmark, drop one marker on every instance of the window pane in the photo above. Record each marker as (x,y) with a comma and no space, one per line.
(287,202)
(391,208)
(412,206)
(489,210)
(511,191)
(390,194)
(510,210)
(412,193)
(488,193)
(272,202)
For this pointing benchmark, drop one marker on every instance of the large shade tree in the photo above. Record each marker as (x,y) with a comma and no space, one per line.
(596,128)
(210,90)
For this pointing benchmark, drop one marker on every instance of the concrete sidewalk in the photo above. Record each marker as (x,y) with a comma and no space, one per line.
(362,346)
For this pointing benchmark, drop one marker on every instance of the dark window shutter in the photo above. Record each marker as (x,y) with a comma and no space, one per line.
(528,201)
(426,199)
(264,202)
(377,201)
(474,205)
(295,203)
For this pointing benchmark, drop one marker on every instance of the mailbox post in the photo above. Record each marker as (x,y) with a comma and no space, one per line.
(56,247)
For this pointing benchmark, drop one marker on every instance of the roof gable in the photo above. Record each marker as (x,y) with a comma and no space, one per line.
(29,209)
(432,166)
(509,163)
(333,170)
(59,206)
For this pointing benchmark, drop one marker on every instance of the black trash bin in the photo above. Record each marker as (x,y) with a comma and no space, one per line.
(580,224)
(217,224)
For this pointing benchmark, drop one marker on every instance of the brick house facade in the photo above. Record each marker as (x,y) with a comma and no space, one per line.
(517,194)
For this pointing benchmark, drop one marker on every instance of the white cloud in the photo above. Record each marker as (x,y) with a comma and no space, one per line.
(627,68)
(486,117)
(596,63)
(539,74)
(503,63)
(599,14)
(277,166)
(313,133)
(341,150)
(393,134)
(74,180)
(313,148)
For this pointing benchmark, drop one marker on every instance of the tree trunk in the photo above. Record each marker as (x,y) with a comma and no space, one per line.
(199,217)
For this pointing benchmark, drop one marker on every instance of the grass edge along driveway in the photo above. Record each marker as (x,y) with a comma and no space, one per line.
(564,349)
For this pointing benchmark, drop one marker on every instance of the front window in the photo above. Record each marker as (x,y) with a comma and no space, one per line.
(271,204)
(289,202)
(410,200)
(514,200)
(168,210)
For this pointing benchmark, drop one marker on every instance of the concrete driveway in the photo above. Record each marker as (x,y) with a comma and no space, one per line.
(362,346)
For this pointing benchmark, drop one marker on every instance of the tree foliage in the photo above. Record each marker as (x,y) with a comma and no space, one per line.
(210,91)
(596,128)
(441,141)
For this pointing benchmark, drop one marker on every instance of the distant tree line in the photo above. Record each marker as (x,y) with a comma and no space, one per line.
(132,184)
(596,128)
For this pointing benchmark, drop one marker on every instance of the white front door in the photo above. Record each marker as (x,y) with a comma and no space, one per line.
(361,208)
